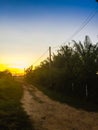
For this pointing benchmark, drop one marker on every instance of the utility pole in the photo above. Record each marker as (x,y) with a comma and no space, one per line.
(50,58)
(50,73)
(86,90)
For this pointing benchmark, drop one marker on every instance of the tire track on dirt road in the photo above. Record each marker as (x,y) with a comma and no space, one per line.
(47,114)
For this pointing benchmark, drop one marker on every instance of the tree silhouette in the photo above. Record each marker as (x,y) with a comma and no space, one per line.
(73,71)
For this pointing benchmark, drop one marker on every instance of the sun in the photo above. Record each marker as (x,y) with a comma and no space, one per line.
(16,65)
(16,68)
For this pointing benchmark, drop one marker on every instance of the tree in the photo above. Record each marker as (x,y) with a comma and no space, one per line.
(89,63)
(73,70)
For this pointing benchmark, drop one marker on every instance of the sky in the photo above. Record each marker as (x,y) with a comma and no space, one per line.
(29,27)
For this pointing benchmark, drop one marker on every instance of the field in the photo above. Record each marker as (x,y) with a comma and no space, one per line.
(12,115)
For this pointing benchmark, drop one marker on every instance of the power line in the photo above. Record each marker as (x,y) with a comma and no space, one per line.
(86,21)
(40,57)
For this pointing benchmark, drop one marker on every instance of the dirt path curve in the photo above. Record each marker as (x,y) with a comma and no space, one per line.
(47,114)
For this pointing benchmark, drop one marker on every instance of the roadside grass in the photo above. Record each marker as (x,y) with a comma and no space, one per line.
(70,100)
(12,115)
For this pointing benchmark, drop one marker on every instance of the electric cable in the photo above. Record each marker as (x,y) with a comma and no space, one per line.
(86,21)
(40,57)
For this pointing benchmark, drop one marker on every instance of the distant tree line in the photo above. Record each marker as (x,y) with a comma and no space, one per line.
(73,71)
(5,74)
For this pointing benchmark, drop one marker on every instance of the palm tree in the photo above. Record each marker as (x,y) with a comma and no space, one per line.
(88,54)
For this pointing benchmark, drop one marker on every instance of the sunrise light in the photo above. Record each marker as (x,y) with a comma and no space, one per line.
(14,68)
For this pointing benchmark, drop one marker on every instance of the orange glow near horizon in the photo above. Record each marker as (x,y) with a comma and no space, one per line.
(15,69)
(16,65)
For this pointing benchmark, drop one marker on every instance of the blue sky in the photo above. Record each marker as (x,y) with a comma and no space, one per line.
(29,27)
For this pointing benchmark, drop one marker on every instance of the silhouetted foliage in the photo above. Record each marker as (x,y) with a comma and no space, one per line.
(73,71)
(5,73)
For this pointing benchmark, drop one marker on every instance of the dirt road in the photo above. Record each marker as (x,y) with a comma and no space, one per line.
(47,114)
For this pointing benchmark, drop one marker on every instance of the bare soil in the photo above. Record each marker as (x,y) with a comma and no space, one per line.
(47,114)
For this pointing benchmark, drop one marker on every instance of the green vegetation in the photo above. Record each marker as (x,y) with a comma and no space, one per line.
(12,116)
(73,73)
(70,100)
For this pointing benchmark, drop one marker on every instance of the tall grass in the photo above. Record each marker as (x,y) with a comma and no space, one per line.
(12,116)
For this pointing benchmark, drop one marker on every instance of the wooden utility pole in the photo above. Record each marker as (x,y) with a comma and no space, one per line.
(49,57)
(86,90)
(50,73)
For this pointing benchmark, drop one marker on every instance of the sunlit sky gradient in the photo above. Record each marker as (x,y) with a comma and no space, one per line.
(29,27)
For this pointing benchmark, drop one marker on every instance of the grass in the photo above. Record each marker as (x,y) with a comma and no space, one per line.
(72,101)
(12,115)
